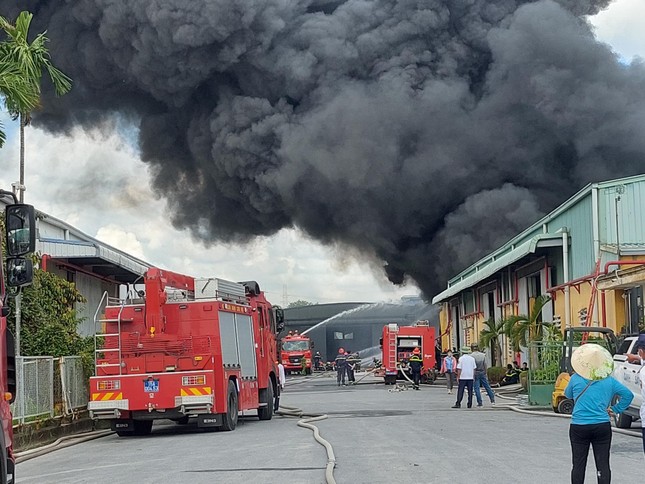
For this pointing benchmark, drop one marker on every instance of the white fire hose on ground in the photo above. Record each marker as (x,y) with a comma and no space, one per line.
(306,423)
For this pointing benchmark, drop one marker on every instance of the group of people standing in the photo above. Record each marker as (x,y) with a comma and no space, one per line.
(470,372)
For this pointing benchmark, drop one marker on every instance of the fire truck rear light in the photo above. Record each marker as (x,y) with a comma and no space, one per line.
(193,380)
(108,385)
(8,396)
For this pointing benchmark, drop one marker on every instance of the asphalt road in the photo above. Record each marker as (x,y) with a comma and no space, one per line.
(378,436)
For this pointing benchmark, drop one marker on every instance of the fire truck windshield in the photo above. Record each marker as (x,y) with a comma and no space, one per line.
(295,345)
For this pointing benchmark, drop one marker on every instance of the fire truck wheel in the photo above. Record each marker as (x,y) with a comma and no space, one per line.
(230,417)
(308,371)
(142,427)
(266,413)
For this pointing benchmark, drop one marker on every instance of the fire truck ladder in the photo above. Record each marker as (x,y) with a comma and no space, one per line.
(100,326)
(391,347)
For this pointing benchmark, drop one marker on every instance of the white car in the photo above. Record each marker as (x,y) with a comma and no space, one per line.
(627,374)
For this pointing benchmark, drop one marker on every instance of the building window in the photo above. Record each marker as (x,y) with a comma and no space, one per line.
(469,302)
(338,335)
(349,335)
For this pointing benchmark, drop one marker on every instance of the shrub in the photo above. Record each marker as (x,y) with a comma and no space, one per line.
(496,373)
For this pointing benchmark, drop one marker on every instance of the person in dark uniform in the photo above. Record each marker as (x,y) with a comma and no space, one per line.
(416,363)
(351,364)
(317,359)
(341,367)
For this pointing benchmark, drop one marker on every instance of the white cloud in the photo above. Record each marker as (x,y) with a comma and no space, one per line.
(622,25)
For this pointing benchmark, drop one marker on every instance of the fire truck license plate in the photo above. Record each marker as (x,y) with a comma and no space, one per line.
(151,386)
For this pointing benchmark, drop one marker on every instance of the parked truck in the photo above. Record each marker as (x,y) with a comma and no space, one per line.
(398,343)
(20,242)
(294,348)
(185,348)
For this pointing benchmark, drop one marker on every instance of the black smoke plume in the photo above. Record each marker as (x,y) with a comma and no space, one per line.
(422,133)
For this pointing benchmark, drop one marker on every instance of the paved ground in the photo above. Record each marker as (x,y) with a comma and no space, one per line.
(378,437)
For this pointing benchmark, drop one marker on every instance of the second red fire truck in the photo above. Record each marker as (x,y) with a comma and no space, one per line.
(295,353)
(187,347)
(398,343)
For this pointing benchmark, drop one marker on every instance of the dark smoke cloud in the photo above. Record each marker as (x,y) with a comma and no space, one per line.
(422,133)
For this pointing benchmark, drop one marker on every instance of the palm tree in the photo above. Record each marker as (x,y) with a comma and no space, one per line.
(523,329)
(31,59)
(489,337)
(15,91)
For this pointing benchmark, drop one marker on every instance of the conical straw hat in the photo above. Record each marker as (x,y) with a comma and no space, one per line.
(592,361)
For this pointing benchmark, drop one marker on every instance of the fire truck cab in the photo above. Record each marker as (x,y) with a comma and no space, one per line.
(202,348)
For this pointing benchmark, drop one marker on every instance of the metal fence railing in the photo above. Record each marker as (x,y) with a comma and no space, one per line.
(35,396)
(73,384)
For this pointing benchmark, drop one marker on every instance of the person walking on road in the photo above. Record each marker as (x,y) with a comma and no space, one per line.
(592,389)
(481,379)
(341,367)
(465,376)
(281,374)
(449,368)
(416,364)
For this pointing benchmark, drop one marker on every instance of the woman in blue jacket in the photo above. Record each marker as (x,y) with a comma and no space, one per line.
(592,388)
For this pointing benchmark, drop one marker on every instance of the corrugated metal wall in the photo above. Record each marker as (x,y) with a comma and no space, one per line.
(578,220)
(631,214)
(93,289)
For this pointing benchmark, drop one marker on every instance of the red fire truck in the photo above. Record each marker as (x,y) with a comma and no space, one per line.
(186,347)
(21,240)
(295,348)
(398,342)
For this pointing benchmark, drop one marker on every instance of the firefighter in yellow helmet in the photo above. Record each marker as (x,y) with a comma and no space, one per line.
(416,364)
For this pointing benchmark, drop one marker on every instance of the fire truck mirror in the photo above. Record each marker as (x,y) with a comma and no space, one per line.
(20,272)
(279,318)
(20,229)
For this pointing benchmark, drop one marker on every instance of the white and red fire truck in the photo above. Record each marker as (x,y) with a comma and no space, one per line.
(295,353)
(398,343)
(186,347)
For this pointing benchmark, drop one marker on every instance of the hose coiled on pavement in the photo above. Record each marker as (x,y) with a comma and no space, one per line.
(306,423)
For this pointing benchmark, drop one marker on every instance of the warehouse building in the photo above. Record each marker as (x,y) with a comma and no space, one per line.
(594,239)
(355,326)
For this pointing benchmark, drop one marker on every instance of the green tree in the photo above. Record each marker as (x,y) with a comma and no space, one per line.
(489,337)
(49,319)
(31,59)
(15,90)
(523,329)
(300,303)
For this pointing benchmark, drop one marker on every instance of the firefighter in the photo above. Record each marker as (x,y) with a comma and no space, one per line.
(317,359)
(351,364)
(416,363)
(341,367)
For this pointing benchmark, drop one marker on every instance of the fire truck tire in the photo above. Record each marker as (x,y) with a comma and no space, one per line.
(142,427)
(230,417)
(390,379)
(308,371)
(266,413)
